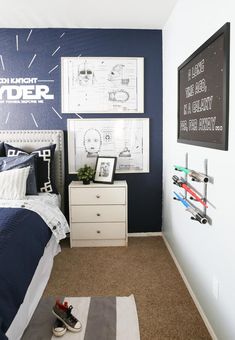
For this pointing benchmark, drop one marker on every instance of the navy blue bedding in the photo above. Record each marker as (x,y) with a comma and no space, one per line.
(23,237)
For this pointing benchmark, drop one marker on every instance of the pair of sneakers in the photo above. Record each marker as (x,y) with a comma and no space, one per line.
(64,319)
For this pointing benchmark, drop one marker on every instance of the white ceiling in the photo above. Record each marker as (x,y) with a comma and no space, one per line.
(149,14)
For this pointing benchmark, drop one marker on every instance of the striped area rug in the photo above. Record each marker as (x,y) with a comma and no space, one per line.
(102,318)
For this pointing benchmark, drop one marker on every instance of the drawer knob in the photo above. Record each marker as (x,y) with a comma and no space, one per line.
(98,214)
(98,231)
(97,196)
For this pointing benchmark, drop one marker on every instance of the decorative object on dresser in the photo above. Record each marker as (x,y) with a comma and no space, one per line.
(98,214)
(86,174)
(105,169)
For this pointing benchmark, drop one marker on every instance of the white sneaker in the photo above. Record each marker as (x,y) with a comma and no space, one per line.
(59,328)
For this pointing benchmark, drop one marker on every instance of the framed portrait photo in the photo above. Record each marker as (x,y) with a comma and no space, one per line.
(105,169)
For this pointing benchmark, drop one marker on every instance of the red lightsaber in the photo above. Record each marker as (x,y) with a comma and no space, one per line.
(182,184)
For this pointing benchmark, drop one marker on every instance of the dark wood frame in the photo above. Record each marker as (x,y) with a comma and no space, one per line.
(224,30)
(113,169)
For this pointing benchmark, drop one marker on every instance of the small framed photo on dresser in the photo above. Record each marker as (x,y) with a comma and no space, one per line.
(105,169)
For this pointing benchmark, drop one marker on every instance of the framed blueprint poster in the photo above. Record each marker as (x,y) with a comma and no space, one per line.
(102,85)
(124,138)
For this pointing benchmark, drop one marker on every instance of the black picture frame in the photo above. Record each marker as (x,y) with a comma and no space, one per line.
(203,93)
(105,169)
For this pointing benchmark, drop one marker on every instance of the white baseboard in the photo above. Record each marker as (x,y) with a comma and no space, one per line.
(199,308)
(145,234)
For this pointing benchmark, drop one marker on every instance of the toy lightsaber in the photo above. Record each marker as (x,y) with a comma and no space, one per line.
(182,200)
(181,183)
(196,214)
(196,176)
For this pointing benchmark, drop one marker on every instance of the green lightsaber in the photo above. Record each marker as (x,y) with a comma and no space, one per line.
(181,168)
(196,176)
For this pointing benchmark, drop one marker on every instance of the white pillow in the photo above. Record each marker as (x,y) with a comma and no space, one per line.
(13,183)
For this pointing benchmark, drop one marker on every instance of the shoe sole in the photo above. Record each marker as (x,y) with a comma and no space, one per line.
(71,329)
(60,333)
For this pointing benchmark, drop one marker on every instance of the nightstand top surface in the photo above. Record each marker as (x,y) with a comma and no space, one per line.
(76,184)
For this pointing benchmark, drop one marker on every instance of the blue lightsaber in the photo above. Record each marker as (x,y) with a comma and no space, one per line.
(196,214)
(182,200)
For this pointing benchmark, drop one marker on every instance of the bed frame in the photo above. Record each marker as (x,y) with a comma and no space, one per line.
(34,139)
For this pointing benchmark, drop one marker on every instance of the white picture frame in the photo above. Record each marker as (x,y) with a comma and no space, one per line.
(102,85)
(124,138)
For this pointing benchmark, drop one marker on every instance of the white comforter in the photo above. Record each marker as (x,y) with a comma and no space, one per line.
(49,212)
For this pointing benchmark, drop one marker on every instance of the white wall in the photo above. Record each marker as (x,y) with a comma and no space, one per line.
(203,251)
(85,13)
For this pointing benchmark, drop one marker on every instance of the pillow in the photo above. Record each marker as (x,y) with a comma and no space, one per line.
(2,150)
(44,165)
(13,183)
(8,163)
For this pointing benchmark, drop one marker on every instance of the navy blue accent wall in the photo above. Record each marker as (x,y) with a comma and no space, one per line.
(36,54)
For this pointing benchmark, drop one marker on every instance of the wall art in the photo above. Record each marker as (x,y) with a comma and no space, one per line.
(102,85)
(203,93)
(127,139)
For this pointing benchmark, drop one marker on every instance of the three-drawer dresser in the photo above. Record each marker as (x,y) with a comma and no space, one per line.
(98,214)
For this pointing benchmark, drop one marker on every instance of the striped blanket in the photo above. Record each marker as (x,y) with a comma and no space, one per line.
(102,318)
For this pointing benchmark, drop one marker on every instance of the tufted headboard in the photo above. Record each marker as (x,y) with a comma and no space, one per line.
(34,139)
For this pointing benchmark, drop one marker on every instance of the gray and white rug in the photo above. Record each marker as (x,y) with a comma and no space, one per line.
(102,318)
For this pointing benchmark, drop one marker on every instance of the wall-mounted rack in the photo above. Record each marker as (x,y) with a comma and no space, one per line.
(198,215)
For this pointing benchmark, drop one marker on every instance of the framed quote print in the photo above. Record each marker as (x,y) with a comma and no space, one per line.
(203,93)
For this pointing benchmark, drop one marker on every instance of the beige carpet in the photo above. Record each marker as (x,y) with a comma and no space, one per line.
(145,269)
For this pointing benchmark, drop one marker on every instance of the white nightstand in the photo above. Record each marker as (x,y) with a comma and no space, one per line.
(98,214)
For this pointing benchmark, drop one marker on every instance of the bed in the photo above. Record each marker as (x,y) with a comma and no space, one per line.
(30,231)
